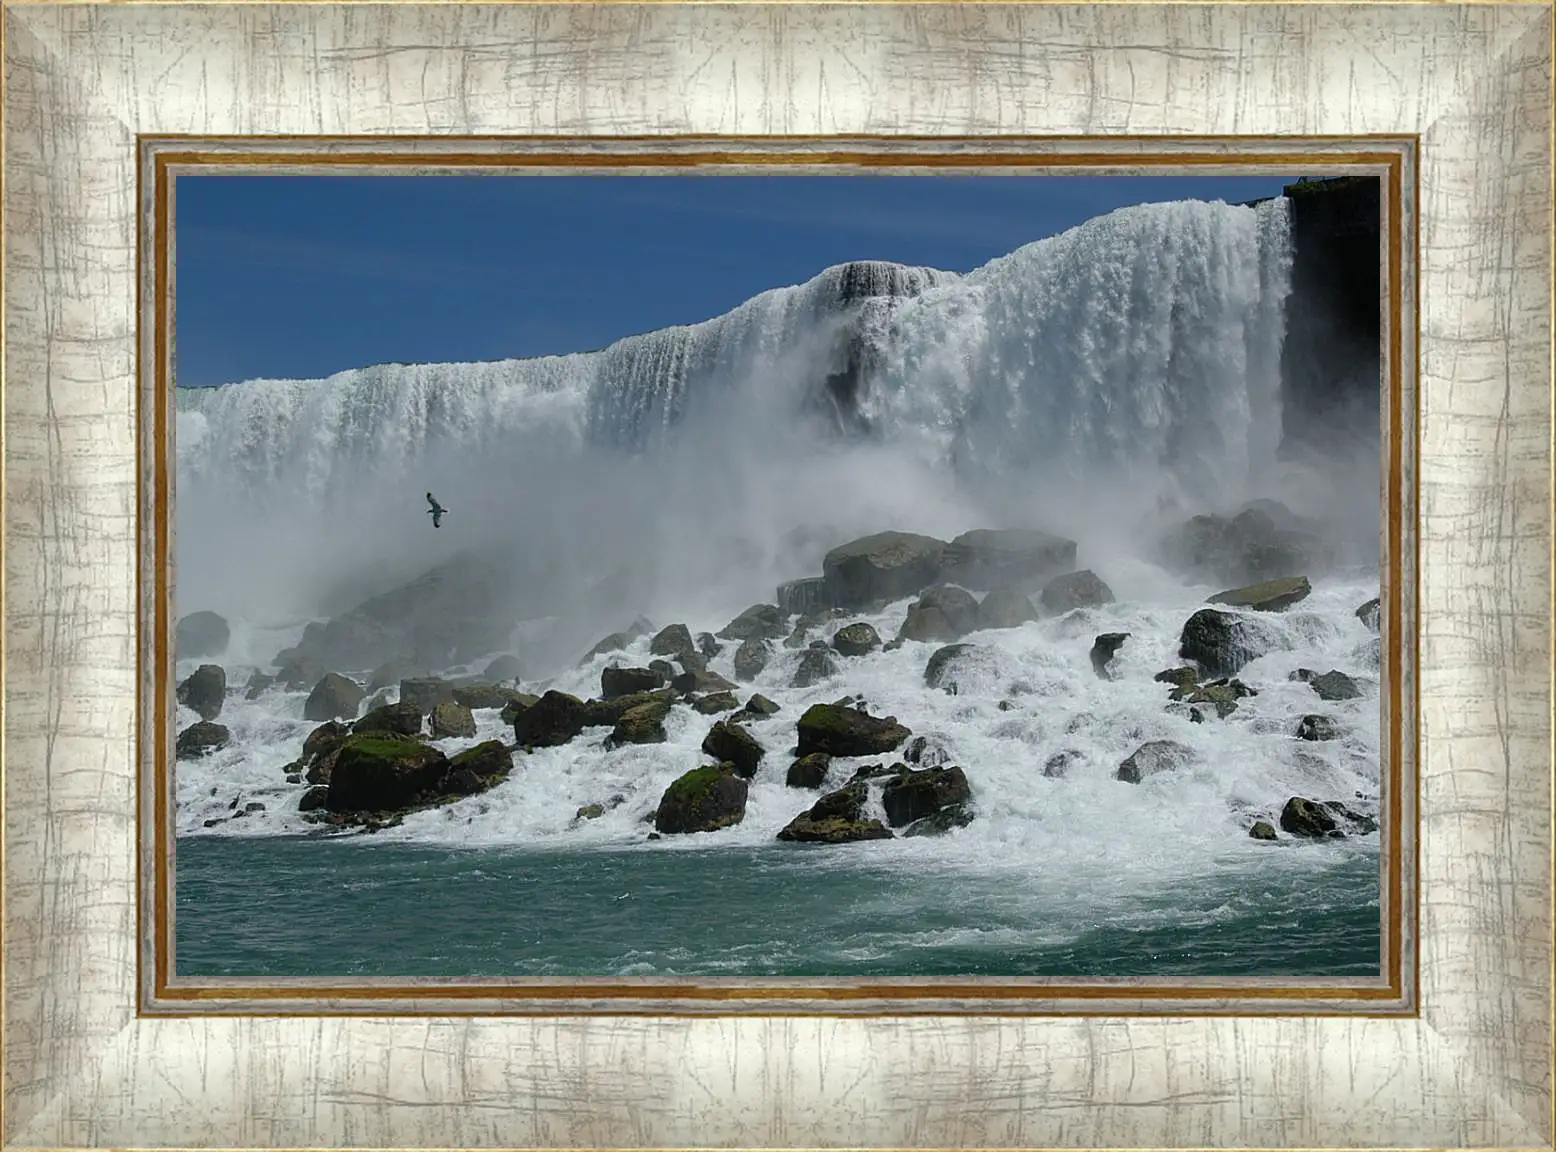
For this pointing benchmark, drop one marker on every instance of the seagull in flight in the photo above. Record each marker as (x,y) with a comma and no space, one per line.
(437,511)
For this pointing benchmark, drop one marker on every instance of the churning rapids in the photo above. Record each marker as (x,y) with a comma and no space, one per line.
(1103,385)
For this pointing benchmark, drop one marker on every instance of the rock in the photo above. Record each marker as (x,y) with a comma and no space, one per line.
(201,739)
(615,681)
(926,753)
(1020,557)
(1270,596)
(258,685)
(490,761)
(1252,546)
(856,639)
(847,732)
(664,668)
(1075,590)
(477,696)
(708,644)
(1058,765)
(940,671)
(503,670)
(702,800)
(1221,642)
(916,795)
(518,703)
(701,680)
(809,771)
(589,812)
(927,625)
(1261,831)
(1103,650)
(325,738)
(642,724)
(760,705)
(731,744)
(552,720)
(750,658)
(1371,614)
(1223,695)
(1006,608)
(200,634)
(880,568)
(1316,727)
(333,697)
(802,597)
(206,690)
(955,604)
(1330,685)
(713,704)
(313,799)
(598,713)
(758,622)
(398,719)
(836,819)
(297,670)
(816,665)
(672,641)
(426,693)
(386,675)
(1152,758)
(942,822)
(1309,820)
(451,719)
(382,773)
(1178,677)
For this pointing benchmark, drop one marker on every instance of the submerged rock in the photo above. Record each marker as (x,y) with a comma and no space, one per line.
(1059,764)
(201,739)
(1316,727)
(1073,590)
(1330,686)
(1152,758)
(200,634)
(947,667)
(702,800)
(206,690)
(1103,650)
(847,732)
(1269,596)
(942,821)
(1261,830)
(880,568)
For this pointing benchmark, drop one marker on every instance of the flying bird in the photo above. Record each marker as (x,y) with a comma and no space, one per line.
(437,511)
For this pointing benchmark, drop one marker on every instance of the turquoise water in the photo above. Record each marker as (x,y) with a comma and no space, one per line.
(309,906)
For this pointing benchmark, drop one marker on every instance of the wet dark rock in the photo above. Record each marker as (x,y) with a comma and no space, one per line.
(518,703)
(956,606)
(1222,695)
(1309,820)
(205,691)
(702,800)
(942,821)
(916,795)
(732,744)
(617,641)
(1221,643)
(334,697)
(1261,830)
(1006,608)
(1019,557)
(552,720)
(325,738)
(672,641)
(1184,678)
(809,771)
(716,702)
(926,753)
(856,639)
(642,724)
(1103,650)
(451,719)
(750,658)
(426,692)
(478,697)
(760,705)
(758,622)
(604,713)
(201,739)
(1152,758)
(200,634)
(1330,686)
(382,773)
(837,818)
(397,719)
(1371,613)
(701,681)
(847,732)
(1268,596)
(708,644)
(942,670)
(616,681)
(816,665)
(880,568)
(802,597)
(1316,727)
(313,799)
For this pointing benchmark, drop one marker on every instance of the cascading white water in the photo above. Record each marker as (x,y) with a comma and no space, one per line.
(1139,349)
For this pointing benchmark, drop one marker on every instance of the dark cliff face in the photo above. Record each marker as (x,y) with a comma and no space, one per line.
(1331,362)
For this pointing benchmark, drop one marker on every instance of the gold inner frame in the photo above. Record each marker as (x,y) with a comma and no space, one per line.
(1393,994)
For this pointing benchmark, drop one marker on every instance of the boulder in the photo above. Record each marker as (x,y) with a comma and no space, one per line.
(926,625)
(758,622)
(641,724)
(451,719)
(1262,542)
(1371,613)
(426,693)
(942,821)
(386,675)
(616,641)
(750,658)
(955,604)
(334,697)
(297,670)
(701,680)
(599,713)
(552,720)
(382,773)
(915,795)
(802,597)
(518,703)
(314,799)
(1261,830)
(1074,590)
(702,800)
(716,702)
(926,753)
(1222,695)
(944,664)
(1178,677)
(842,731)
(1308,819)
(837,818)
(1058,765)
(856,639)
(616,681)
(816,665)
(880,568)
(760,705)
(1316,727)
(809,771)
(206,690)
(503,670)
(731,744)
(200,634)
(1330,686)
(490,761)
(1152,758)
(708,645)
(1269,596)
(1006,607)
(1103,649)
(1020,557)
(672,641)
(201,739)
(1221,643)
(398,719)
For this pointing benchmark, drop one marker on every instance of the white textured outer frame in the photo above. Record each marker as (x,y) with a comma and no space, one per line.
(82,1069)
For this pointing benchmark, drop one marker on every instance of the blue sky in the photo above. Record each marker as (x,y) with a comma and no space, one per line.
(302,276)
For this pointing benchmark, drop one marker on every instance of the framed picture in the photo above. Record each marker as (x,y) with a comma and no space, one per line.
(824,618)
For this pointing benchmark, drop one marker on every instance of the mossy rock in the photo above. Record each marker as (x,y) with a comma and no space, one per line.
(517,704)
(915,795)
(702,800)
(1261,830)
(848,732)
(451,719)
(809,771)
(553,720)
(942,821)
(398,719)
(716,702)
(377,773)
(615,681)
(599,713)
(643,724)
(858,639)
(490,760)
(832,830)
(1184,677)
(732,744)
(478,697)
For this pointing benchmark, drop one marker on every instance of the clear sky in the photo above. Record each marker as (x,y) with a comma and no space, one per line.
(302,276)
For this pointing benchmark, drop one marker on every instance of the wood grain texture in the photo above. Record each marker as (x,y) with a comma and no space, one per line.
(82,81)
